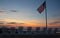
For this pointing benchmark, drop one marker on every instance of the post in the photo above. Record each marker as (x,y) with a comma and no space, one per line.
(46,16)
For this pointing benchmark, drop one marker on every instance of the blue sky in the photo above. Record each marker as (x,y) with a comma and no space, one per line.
(27,10)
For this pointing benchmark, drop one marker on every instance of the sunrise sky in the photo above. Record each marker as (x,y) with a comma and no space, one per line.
(24,13)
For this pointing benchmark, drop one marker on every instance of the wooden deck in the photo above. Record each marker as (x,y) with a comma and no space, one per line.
(32,36)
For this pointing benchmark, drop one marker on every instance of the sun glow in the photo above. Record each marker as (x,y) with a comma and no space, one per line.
(25,23)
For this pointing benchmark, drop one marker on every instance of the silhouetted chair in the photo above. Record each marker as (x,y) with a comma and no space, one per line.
(20,30)
(55,30)
(5,30)
(13,30)
(29,30)
(49,30)
(37,30)
(0,30)
(44,30)
(58,31)
(16,31)
(24,32)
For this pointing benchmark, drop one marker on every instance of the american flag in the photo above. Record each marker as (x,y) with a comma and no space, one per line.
(41,8)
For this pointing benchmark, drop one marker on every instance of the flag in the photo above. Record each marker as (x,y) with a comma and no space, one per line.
(41,8)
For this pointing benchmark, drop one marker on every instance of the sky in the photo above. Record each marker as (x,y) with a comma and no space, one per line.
(24,13)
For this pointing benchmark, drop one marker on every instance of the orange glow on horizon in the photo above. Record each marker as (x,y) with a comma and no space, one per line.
(26,23)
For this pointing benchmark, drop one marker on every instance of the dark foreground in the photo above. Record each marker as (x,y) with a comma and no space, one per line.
(31,36)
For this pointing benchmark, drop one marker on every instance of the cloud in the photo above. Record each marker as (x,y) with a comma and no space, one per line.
(21,23)
(1,11)
(13,10)
(56,15)
(1,22)
(12,23)
(56,22)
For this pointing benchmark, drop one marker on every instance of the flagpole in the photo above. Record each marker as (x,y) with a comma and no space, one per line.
(46,17)
(40,9)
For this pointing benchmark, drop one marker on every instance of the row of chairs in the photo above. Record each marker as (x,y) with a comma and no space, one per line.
(29,30)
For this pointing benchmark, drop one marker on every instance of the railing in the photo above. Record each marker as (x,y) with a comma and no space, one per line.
(29,30)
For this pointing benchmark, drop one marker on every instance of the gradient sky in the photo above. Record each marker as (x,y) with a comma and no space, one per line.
(25,11)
